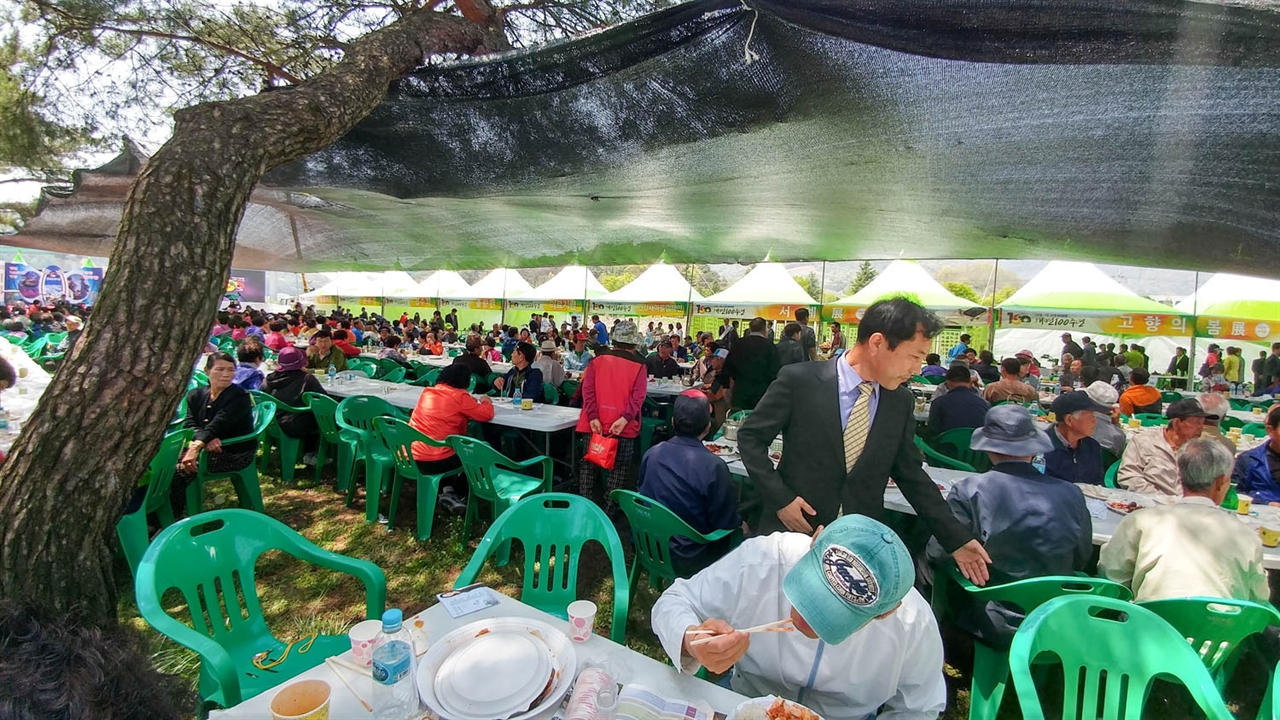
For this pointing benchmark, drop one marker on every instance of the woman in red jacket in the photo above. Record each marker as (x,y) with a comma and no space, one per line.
(444,410)
(613,391)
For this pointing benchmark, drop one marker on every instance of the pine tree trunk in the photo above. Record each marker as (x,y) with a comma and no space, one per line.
(74,466)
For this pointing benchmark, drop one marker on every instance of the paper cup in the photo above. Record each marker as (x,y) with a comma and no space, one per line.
(1270,534)
(1245,504)
(306,700)
(526,403)
(582,618)
(1135,423)
(1257,410)
(362,635)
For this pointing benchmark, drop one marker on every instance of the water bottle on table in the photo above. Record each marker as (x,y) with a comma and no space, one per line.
(332,373)
(516,397)
(395,691)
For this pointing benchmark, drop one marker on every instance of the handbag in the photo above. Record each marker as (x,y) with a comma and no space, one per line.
(602,451)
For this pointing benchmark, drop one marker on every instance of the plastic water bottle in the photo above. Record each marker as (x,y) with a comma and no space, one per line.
(1038,463)
(332,373)
(516,397)
(395,690)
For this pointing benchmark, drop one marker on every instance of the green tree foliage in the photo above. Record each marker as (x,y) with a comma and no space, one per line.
(703,279)
(962,290)
(865,275)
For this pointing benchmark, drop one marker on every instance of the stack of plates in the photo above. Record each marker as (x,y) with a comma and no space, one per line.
(536,664)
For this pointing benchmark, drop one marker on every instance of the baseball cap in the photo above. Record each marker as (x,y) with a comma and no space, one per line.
(1185,408)
(856,570)
(722,353)
(1069,402)
(691,413)
(1102,393)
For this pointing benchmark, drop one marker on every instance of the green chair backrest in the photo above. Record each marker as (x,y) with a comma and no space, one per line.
(260,397)
(568,388)
(421,370)
(1110,651)
(263,415)
(163,466)
(920,379)
(201,379)
(1214,627)
(550,395)
(954,443)
(1240,403)
(1151,419)
(394,376)
(432,375)
(386,366)
(479,461)
(1229,422)
(553,528)
(1109,479)
(937,459)
(36,347)
(209,558)
(1170,396)
(652,527)
(1031,593)
(934,379)
(368,367)
(325,410)
(1258,430)
(358,411)
(399,438)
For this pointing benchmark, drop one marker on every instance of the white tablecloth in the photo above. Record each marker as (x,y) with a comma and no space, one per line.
(630,667)
(542,418)
(20,401)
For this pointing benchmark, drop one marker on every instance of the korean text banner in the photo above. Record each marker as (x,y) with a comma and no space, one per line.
(1222,328)
(852,314)
(780,313)
(25,283)
(1144,324)
(555,307)
(651,309)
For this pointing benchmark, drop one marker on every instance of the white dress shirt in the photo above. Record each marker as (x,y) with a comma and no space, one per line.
(1187,549)
(894,663)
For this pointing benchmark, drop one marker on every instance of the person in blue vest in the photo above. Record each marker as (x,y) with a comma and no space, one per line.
(1257,471)
(959,349)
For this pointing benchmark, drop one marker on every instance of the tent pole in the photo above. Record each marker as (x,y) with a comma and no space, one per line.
(503,303)
(991,307)
(822,293)
(688,305)
(1195,312)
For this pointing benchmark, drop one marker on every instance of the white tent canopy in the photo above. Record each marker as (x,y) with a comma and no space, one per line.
(1230,295)
(905,277)
(1078,287)
(499,284)
(350,284)
(574,282)
(768,283)
(660,283)
(442,284)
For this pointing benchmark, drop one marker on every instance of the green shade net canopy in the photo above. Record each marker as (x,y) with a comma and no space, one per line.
(1133,131)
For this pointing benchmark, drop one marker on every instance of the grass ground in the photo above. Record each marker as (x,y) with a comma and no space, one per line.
(298,598)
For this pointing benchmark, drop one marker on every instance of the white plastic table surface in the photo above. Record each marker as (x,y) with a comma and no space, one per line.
(21,399)
(542,418)
(630,666)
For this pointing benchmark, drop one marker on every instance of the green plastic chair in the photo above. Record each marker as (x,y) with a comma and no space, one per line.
(1215,627)
(1095,635)
(394,376)
(568,388)
(36,347)
(325,411)
(245,480)
(290,448)
(934,379)
(1151,419)
(550,395)
(652,527)
(421,370)
(399,437)
(496,479)
(201,379)
(132,528)
(937,459)
(991,665)
(207,558)
(649,424)
(1230,422)
(1109,479)
(1169,396)
(1240,404)
(954,443)
(355,417)
(552,528)
(1258,430)
(387,366)
(368,367)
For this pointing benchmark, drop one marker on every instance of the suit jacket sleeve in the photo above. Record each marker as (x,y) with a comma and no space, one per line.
(920,490)
(771,416)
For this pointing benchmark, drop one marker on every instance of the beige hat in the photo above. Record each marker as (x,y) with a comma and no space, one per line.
(1102,393)
(549,345)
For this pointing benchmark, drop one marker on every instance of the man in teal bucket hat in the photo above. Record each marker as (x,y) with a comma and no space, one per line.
(864,641)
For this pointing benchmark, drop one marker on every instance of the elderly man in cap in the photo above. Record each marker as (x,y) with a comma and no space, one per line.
(577,357)
(549,363)
(1107,431)
(1150,462)
(865,642)
(1076,457)
(661,365)
(692,483)
(1032,524)
(73,325)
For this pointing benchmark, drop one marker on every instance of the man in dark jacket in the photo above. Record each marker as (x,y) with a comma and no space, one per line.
(1076,456)
(1071,346)
(1033,524)
(790,349)
(752,365)
(961,407)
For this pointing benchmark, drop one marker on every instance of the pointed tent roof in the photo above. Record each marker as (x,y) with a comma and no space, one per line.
(501,283)
(904,277)
(1081,288)
(441,284)
(574,282)
(1235,296)
(392,283)
(768,283)
(659,283)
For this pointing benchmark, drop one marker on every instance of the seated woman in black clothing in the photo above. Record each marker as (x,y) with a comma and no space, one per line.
(221,410)
(287,384)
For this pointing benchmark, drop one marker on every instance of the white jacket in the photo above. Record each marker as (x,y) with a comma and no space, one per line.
(895,662)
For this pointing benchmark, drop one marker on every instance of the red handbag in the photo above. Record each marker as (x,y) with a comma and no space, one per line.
(602,451)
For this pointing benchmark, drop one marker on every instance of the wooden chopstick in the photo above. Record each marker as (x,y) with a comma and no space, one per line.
(776,626)
(334,665)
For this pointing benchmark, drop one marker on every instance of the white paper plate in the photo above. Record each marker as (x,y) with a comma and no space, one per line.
(758,709)
(465,685)
(563,670)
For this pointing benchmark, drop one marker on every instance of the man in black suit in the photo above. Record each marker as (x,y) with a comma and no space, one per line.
(751,367)
(848,425)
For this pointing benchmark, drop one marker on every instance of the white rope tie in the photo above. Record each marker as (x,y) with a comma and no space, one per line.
(749,54)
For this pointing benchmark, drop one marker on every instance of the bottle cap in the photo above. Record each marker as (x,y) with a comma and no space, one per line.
(391,620)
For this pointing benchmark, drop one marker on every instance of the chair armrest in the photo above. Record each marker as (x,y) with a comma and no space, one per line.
(375,581)
(548,467)
(734,533)
(621,591)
